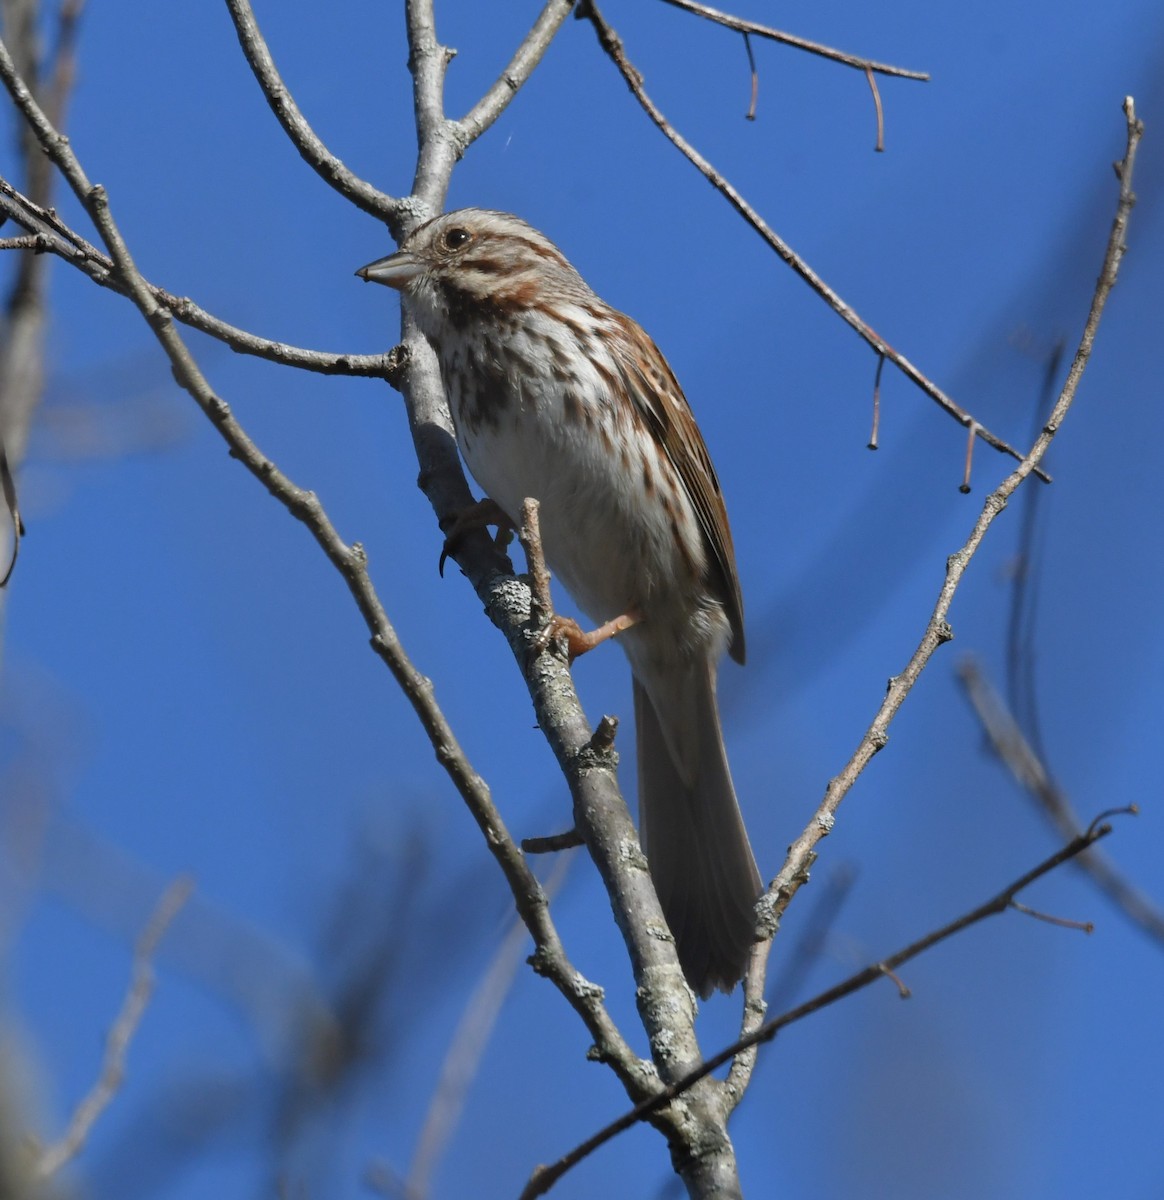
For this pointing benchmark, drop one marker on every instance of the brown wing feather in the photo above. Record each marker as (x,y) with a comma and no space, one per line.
(652,385)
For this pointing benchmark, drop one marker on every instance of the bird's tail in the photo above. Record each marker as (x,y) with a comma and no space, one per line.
(692,831)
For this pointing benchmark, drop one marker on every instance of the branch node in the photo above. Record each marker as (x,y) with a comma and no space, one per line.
(396,365)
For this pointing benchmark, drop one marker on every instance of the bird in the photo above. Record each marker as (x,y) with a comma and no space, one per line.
(559,397)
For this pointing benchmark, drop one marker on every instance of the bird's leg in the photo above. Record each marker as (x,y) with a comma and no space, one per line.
(578,641)
(477,516)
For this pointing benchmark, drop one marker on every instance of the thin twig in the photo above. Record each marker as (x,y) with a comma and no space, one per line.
(326,165)
(612,45)
(964,486)
(530,536)
(751,113)
(121,1034)
(789,39)
(802,852)
(880,144)
(1087,927)
(1017,754)
(875,433)
(544,1177)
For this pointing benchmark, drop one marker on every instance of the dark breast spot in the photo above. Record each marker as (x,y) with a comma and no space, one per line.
(478,388)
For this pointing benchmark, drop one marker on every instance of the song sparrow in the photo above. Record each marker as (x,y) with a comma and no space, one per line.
(557,396)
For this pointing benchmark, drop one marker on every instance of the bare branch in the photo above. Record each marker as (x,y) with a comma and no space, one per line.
(521,66)
(1023,762)
(311,148)
(50,233)
(141,988)
(790,39)
(612,45)
(802,852)
(545,1177)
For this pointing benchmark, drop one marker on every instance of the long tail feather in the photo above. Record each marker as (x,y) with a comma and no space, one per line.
(694,837)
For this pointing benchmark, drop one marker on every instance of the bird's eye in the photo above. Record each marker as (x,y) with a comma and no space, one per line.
(455,238)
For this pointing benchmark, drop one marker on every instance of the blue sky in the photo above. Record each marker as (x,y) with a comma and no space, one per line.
(188,688)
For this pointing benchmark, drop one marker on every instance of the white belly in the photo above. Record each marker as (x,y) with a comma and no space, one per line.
(605,532)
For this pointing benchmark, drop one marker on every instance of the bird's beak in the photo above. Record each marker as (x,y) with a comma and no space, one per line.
(396,271)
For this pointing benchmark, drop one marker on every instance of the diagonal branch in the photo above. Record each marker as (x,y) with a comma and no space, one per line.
(802,852)
(521,66)
(545,1177)
(729,21)
(612,44)
(310,146)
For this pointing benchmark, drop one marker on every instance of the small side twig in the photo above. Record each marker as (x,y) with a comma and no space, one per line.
(875,432)
(751,113)
(544,1177)
(121,1034)
(530,537)
(971,434)
(1087,927)
(552,843)
(880,144)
